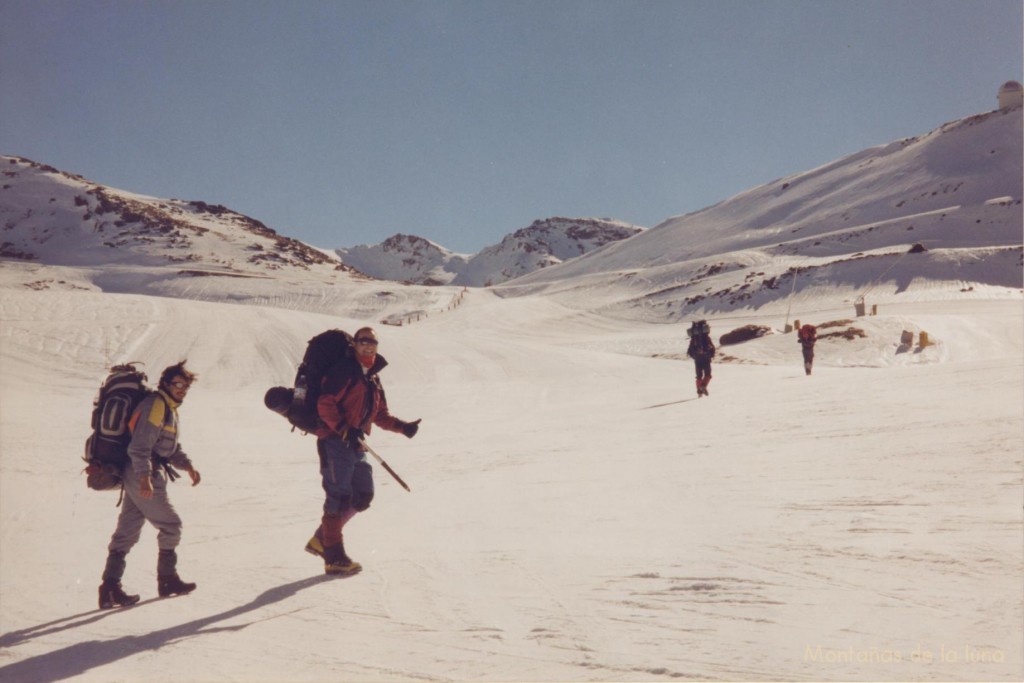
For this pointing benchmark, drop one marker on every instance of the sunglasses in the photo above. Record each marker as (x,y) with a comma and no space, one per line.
(181,385)
(366,340)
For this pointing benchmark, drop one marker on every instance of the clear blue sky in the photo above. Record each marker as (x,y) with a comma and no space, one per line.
(344,122)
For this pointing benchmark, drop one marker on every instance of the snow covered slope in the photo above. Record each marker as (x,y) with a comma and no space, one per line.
(61,219)
(846,227)
(59,230)
(575,514)
(543,244)
(405,258)
(53,217)
(934,216)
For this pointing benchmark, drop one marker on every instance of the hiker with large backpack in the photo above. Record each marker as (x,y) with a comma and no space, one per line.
(351,400)
(152,452)
(701,350)
(806,337)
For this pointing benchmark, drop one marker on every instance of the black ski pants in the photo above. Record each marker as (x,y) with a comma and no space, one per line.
(703,368)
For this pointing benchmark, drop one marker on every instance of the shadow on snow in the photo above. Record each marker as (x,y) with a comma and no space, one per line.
(76,659)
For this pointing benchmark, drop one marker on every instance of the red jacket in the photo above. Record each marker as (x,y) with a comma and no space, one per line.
(353,397)
(807,335)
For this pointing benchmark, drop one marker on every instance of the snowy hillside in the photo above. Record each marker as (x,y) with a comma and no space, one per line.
(57,218)
(939,215)
(405,258)
(61,219)
(59,230)
(849,225)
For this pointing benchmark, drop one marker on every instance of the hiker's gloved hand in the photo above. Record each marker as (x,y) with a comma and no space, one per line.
(146,487)
(410,428)
(193,474)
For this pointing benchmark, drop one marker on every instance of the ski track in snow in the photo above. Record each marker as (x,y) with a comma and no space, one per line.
(575,514)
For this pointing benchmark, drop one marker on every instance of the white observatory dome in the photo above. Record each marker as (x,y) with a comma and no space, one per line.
(1011,94)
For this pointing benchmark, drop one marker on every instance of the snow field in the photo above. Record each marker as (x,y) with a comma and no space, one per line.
(576,513)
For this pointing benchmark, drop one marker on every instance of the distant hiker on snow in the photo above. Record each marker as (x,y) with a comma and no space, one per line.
(350,403)
(152,452)
(701,350)
(806,337)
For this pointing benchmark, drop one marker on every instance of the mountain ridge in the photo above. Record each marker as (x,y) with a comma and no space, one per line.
(956,191)
(935,215)
(42,209)
(40,203)
(546,242)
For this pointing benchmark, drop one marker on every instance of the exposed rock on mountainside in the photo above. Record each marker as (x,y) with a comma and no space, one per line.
(545,243)
(63,219)
(405,258)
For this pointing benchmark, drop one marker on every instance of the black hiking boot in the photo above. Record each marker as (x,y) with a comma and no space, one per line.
(171,584)
(111,594)
(337,563)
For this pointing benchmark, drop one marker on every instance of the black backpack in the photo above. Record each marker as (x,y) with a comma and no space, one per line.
(106,449)
(298,404)
(699,328)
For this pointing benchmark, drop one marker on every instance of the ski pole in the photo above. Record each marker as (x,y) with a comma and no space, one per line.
(386,466)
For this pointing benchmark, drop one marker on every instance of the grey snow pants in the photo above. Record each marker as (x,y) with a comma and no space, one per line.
(136,510)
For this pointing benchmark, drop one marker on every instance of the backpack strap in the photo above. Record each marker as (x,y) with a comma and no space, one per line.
(172,475)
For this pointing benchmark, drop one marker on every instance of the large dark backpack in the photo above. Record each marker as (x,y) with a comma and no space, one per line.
(298,404)
(106,449)
(699,328)
(808,333)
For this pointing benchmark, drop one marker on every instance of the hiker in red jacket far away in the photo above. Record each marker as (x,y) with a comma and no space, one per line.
(806,337)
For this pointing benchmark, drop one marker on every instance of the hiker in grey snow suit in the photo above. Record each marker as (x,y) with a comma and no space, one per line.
(153,452)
